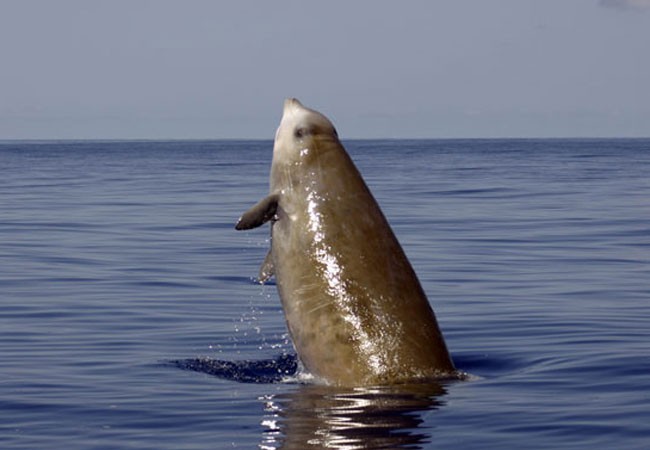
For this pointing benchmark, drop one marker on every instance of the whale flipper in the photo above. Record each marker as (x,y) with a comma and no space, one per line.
(267,270)
(259,214)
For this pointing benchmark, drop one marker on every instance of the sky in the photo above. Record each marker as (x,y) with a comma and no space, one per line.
(160,69)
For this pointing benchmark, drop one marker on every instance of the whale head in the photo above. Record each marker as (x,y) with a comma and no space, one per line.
(301,132)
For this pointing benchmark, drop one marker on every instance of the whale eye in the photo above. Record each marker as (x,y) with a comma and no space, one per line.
(299,132)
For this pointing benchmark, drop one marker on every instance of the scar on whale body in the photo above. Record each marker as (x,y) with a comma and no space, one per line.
(355,310)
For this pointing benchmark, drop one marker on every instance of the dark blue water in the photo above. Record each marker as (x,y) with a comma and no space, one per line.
(129,318)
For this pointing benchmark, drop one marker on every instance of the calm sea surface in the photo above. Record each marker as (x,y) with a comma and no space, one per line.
(129,318)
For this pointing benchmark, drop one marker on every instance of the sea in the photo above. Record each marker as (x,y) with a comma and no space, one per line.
(131,318)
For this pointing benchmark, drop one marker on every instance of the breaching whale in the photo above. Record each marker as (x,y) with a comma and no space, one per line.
(354,307)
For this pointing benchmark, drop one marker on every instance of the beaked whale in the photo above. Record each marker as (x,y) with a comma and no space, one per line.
(354,307)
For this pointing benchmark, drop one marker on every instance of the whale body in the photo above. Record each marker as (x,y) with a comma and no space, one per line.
(355,310)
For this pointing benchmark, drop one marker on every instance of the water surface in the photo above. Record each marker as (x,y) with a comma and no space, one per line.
(119,258)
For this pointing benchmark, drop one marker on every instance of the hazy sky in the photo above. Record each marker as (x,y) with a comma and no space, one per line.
(220,69)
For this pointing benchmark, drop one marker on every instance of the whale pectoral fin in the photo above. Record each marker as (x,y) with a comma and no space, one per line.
(259,214)
(267,270)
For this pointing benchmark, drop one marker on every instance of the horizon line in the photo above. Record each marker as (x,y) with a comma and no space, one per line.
(244,139)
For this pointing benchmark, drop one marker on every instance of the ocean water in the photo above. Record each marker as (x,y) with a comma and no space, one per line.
(130,319)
